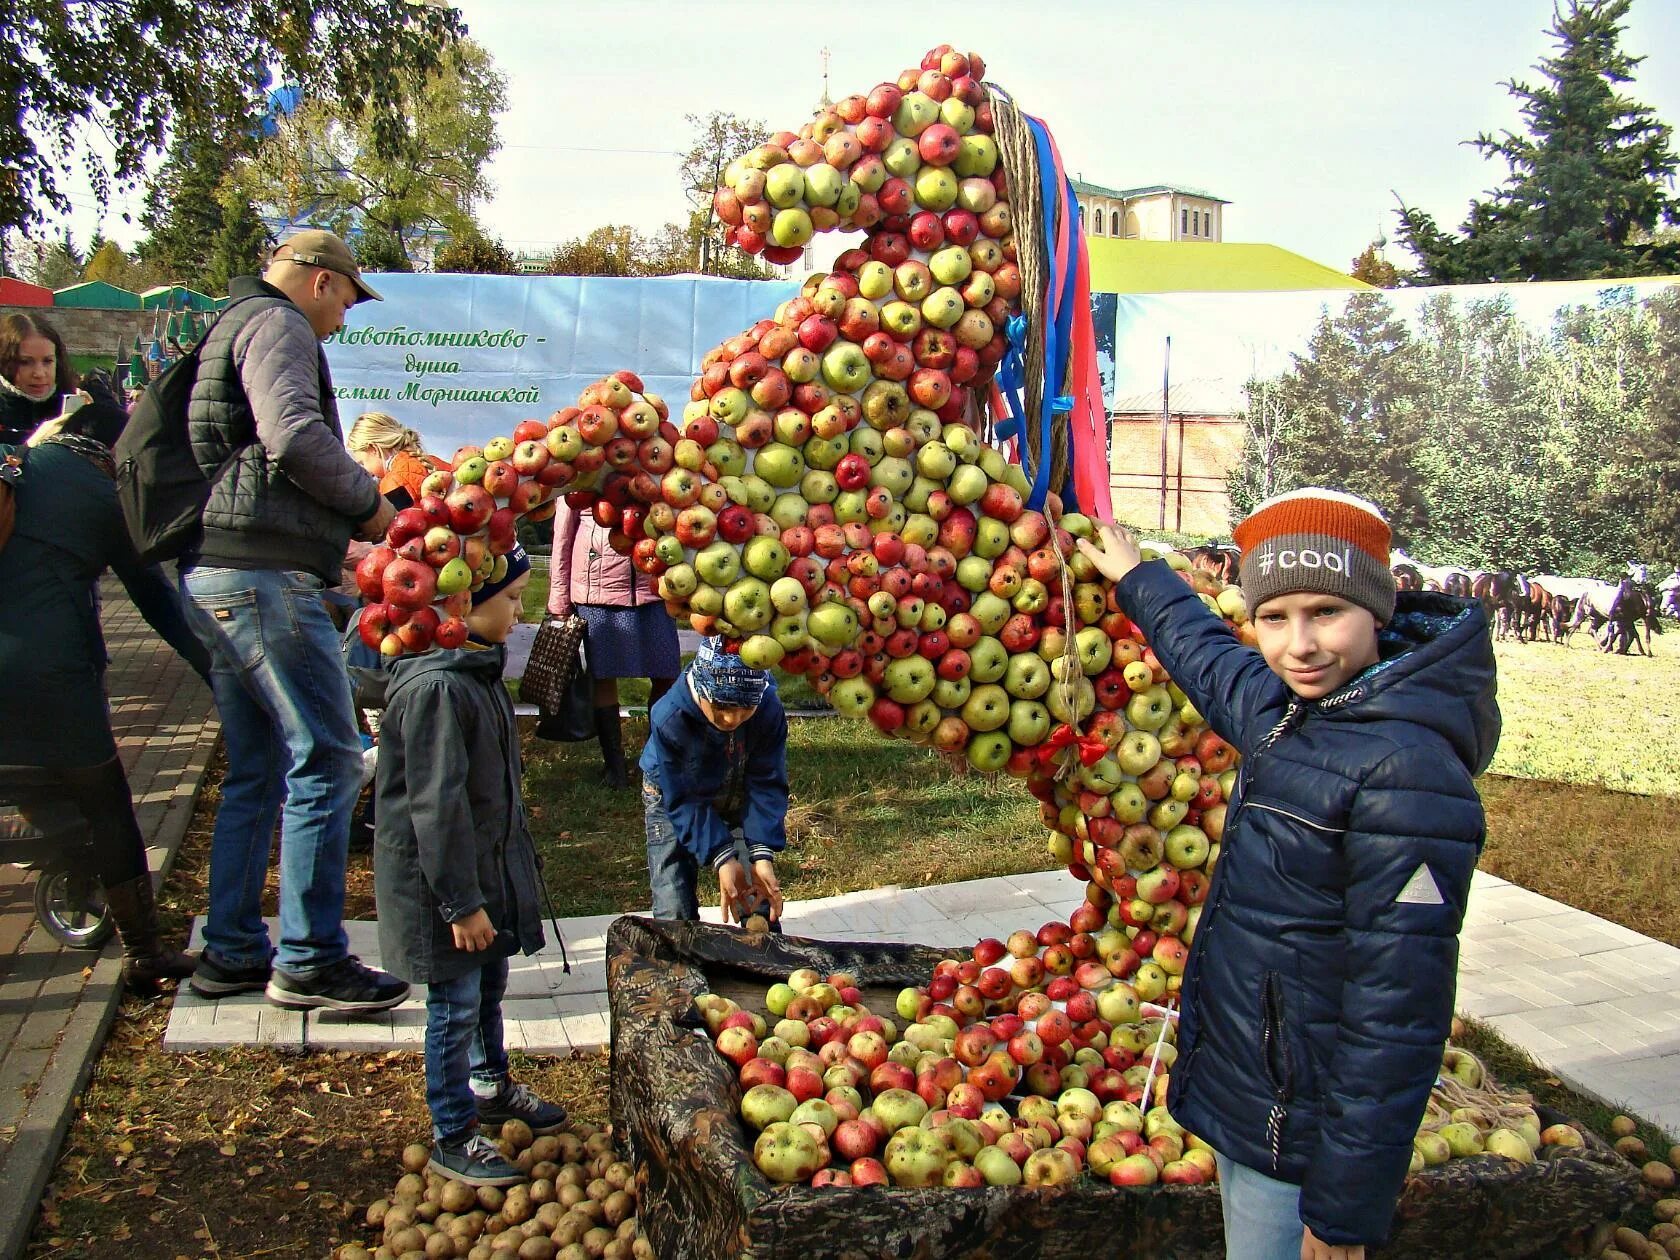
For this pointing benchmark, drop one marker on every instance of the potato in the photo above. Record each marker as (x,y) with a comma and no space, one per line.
(573,1252)
(599,1189)
(384,1253)
(1623,1126)
(620,1174)
(427,1211)
(1667,1209)
(617,1249)
(568,1148)
(406,1240)
(411,1186)
(352,1251)
(538,1248)
(598,1144)
(628,1229)
(525,1161)
(459,1197)
(544,1170)
(415,1156)
(412,1255)
(398,1217)
(516,1207)
(1663,1231)
(570,1228)
(376,1212)
(1674,1156)
(441,1246)
(490,1198)
(548,1215)
(568,1196)
(571,1175)
(590,1208)
(595,1243)
(1631,1149)
(1658,1175)
(617,1206)
(546,1148)
(518,1133)
(642,1249)
(480,1251)
(1632,1242)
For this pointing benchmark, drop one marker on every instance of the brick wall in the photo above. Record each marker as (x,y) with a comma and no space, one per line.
(92,330)
(1201,450)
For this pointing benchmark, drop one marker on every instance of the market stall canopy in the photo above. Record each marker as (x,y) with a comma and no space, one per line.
(176,297)
(97,294)
(19,293)
(1126,266)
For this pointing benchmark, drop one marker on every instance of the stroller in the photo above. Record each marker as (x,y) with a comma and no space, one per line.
(42,829)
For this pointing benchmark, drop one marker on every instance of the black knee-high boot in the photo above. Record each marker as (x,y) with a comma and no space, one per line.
(612,746)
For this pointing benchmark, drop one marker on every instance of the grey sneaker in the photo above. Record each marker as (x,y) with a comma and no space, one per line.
(346,985)
(517,1102)
(474,1162)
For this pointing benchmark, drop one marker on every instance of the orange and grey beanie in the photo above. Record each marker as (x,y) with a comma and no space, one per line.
(1317,540)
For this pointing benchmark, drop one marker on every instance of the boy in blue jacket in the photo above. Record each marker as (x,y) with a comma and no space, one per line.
(714,777)
(455,875)
(1319,990)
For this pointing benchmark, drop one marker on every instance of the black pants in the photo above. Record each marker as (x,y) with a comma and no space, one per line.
(101,792)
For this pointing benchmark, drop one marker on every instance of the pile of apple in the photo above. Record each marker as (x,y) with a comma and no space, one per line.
(418,583)
(839,1096)
(1494,1124)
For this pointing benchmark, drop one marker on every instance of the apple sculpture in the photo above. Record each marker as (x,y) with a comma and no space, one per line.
(826,502)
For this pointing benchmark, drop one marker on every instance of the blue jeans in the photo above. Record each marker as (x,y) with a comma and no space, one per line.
(293,755)
(1262,1214)
(464,1044)
(673,871)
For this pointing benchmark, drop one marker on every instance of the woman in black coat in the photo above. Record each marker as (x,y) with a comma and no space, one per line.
(67,529)
(36,379)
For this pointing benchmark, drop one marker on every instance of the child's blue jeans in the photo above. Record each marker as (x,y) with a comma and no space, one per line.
(1262,1214)
(673,872)
(464,1044)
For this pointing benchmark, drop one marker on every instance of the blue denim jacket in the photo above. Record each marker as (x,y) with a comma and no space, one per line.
(693,764)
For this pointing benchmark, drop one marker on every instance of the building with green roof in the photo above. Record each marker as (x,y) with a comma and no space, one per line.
(97,294)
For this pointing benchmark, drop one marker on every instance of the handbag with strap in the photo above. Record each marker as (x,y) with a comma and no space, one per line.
(555,656)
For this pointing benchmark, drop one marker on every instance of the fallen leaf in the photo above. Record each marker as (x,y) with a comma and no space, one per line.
(229,1150)
(148,1190)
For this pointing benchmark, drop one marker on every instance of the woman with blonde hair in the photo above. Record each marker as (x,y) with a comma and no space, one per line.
(391,451)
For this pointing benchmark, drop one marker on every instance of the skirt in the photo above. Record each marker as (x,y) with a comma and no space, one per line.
(630,642)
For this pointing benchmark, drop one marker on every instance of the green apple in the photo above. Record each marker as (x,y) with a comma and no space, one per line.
(935,188)
(952,693)
(835,626)
(973,572)
(784,185)
(902,158)
(919,529)
(730,405)
(987,707)
(823,184)
(718,564)
(1027,677)
(956,114)
(1128,804)
(966,485)
(747,604)
(789,510)
(935,461)
(760,493)
(989,751)
(951,265)
(1029,723)
(867,442)
(987,660)
(790,629)
(895,474)
(728,457)
(943,308)
(875,280)
(977,156)
(787,595)
(1186,847)
(765,558)
(825,454)
(1103,775)
(1095,649)
(760,651)
(991,536)
(792,227)
(1149,710)
(678,582)
(454,576)
(779,464)
(990,611)
(852,696)
(916,112)
(851,506)
(845,367)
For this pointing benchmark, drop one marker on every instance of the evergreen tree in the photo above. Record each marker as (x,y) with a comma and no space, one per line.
(184,216)
(1587,187)
(1355,408)
(1651,495)
(239,250)
(106,261)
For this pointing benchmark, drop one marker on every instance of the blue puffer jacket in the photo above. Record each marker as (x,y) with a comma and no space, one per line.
(1319,990)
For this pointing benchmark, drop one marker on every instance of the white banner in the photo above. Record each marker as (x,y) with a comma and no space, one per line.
(463,358)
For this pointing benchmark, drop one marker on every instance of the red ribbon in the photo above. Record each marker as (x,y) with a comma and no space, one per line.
(1091,747)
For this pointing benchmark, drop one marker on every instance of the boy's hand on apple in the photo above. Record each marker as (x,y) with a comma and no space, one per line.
(473,932)
(734,891)
(769,888)
(1115,552)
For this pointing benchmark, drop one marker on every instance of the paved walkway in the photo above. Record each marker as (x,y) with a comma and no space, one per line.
(1591,1000)
(56,1004)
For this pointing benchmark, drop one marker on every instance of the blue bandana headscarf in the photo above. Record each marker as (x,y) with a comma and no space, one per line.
(724,679)
(517,563)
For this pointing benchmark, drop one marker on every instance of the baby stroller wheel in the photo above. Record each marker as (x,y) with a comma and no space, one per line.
(71,905)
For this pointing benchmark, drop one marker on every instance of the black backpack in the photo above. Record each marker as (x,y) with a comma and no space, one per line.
(159,484)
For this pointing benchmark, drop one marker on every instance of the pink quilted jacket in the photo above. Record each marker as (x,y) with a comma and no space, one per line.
(584,569)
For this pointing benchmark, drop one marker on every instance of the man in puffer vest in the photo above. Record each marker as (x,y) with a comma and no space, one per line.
(1319,989)
(285,497)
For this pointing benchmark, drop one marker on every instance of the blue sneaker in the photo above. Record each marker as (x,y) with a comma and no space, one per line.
(516,1102)
(474,1162)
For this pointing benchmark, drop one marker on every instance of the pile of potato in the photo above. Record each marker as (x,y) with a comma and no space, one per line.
(578,1204)
(1662,1240)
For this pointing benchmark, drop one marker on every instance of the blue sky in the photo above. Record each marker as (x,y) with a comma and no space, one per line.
(1308,115)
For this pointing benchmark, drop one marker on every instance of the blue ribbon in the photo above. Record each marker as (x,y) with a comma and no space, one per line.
(1011,373)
